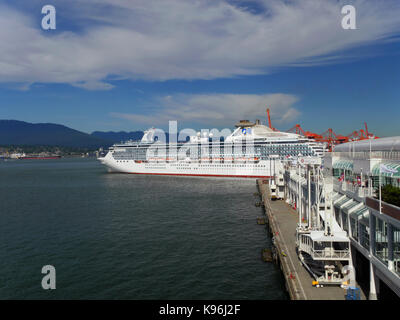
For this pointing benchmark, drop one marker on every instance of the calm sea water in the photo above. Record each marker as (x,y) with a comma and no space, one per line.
(116,236)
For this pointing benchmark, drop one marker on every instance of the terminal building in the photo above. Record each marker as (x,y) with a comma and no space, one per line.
(355,172)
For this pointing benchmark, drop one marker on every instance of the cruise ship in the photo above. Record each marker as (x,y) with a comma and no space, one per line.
(252,150)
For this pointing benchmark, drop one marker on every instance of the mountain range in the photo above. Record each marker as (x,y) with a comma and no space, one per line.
(118,136)
(14,132)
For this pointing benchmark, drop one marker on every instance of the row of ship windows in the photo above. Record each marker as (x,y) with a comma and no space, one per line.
(263,157)
(150,167)
(277,150)
(222,145)
(283,154)
(211,166)
(231,165)
(292,153)
(265,149)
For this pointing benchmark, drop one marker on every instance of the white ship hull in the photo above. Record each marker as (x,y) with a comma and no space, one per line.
(262,169)
(250,151)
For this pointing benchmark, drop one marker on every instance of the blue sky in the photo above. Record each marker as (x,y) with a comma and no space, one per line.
(127,65)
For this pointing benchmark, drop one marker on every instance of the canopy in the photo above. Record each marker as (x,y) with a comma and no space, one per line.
(361,214)
(391,165)
(350,206)
(341,201)
(343,164)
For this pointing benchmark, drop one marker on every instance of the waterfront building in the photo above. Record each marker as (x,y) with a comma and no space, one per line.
(357,171)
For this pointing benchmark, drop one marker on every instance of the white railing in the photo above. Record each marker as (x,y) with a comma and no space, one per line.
(328,253)
(360,191)
(350,187)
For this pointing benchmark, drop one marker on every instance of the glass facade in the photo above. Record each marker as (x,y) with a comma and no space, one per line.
(354,227)
(364,235)
(396,249)
(345,225)
(381,240)
(378,233)
(337,215)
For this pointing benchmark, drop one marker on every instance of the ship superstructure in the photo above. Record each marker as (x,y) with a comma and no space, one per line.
(252,150)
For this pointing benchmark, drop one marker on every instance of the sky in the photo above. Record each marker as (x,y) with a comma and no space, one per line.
(114,65)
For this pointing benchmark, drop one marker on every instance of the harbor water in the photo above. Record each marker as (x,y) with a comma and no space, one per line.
(119,236)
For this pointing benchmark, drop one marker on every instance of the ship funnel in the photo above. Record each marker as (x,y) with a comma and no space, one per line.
(243,124)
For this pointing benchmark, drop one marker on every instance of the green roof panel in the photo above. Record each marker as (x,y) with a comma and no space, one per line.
(391,165)
(343,164)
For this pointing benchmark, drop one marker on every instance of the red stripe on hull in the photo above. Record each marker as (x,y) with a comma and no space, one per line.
(199,175)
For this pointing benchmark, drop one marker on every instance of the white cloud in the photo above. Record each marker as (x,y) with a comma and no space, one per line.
(93,85)
(218,110)
(180,39)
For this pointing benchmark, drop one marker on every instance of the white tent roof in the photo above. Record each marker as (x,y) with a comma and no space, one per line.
(382,144)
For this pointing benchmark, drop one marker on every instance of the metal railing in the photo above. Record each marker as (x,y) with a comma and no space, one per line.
(350,187)
(306,245)
(331,254)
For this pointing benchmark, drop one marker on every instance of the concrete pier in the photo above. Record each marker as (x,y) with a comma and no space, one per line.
(282,223)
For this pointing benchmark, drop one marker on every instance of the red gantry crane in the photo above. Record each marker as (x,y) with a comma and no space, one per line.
(331,138)
(361,134)
(269,120)
(308,134)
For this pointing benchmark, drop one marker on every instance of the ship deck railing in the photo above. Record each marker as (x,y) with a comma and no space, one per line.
(322,247)
(328,253)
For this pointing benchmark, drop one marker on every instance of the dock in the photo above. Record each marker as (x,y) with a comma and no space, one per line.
(282,221)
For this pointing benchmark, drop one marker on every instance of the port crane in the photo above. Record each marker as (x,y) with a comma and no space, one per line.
(331,138)
(310,135)
(361,134)
(269,120)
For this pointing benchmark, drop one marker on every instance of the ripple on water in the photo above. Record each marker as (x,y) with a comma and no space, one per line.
(115,236)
